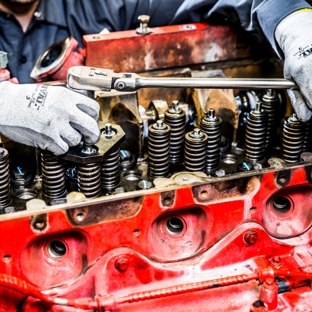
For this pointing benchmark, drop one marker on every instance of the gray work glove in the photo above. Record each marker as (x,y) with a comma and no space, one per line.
(48,117)
(294,36)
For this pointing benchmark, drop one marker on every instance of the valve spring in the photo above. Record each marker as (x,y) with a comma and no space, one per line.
(175,118)
(89,179)
(292,139)
(195,150)
(270,103)
(211,125)
(53,176)
(307,143)
(159,149)
(110,172)
(5,190)
(256,131)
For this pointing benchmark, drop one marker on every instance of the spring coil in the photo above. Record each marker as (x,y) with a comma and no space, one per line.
(307,143)
(270,103)
(255,138)
(175,118)
(53,176)
(110,172)
(5,190)
(195,150)
(159,149)
(211,125)
(89,179)
(292,139)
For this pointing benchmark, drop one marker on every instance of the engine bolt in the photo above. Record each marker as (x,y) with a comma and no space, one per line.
(122,264)
(120,85)
(251,237)
(276,262)
(276,259)
(259,306)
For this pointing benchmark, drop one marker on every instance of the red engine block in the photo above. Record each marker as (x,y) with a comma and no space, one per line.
(222,244)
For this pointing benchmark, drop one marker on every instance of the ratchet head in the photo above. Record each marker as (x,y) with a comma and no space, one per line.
(99,79)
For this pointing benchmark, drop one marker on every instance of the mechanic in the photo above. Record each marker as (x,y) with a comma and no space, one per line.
(28,27)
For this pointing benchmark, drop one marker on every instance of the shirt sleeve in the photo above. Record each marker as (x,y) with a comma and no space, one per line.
(260,17)
(86,16)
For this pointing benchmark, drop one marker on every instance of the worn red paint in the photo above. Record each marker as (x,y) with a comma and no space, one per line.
(166,47)
(88,268)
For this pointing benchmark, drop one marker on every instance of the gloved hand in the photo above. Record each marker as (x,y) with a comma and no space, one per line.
(294,37)
(48,117)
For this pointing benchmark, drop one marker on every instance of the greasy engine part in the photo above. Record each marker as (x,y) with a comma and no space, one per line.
(211,125)
(89,179)
(5,190)
(123,109)
(53,176)
(256,135)
(175,118)
(270,104)
(159,149)
(166,47)
(55,61)
(293,139)
(111,164)
(195,151)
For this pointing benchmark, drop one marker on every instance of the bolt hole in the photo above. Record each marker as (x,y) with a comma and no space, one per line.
(7,258)
(136,232)
(204,195)
(175,225)
(282,180)
(80,216)
(253,210)
(281,205)
(167,201)
(57,249)
(39,224)
(258,304)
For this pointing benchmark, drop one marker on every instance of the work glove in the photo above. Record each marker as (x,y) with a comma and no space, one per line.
(48,117)
(294,37)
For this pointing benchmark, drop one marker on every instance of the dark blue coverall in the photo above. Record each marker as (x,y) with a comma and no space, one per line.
(57,19)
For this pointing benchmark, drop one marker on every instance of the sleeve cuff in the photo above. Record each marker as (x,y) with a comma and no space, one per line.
(272,12)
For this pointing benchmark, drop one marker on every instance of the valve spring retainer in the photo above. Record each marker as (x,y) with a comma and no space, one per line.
(195,150)
(111,172)
(270,103)
(211,125)
(256,134)
(53,176)
(292,139)
(5,190)
(307,143)
(89,179)
(175,118)
(159,150)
